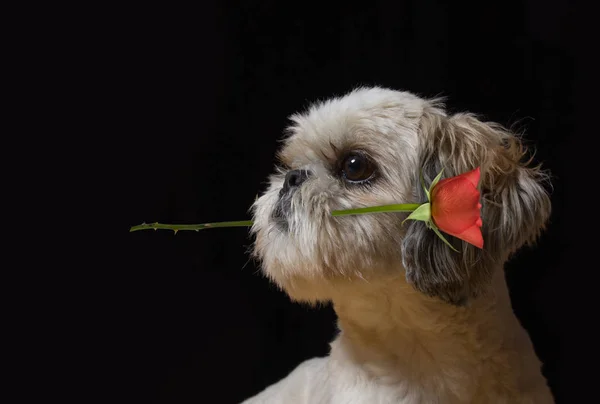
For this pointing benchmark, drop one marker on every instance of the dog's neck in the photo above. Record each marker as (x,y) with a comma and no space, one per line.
(397,333)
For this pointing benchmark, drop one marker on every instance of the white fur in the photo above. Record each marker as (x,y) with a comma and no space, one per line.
(396,344)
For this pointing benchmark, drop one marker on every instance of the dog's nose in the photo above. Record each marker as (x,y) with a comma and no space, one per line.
(294,178)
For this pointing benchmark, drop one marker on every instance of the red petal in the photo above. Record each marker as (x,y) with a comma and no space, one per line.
(473,176)
(443,183)
(454,205)
(472,236)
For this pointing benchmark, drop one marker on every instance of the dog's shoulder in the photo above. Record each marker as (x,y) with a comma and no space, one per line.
(307,383)
(330,381)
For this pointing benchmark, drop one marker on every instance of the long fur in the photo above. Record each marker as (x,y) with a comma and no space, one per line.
(418,322)
(515,205)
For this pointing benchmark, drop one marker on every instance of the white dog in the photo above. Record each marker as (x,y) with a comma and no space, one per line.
(419,323)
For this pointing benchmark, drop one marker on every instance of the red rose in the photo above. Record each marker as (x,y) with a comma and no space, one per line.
(455,207)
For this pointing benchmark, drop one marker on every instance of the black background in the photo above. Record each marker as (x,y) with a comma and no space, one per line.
(201,98)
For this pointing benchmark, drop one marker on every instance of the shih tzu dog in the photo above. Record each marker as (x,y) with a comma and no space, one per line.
(419,322)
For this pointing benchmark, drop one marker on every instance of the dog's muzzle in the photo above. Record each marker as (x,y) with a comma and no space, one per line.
(292,182)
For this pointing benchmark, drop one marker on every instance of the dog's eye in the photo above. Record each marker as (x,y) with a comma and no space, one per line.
(357,167)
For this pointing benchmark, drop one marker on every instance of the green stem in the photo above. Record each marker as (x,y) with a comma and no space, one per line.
(403,207)
(195,227)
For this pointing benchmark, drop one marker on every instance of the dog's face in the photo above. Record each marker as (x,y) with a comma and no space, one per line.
(368,148)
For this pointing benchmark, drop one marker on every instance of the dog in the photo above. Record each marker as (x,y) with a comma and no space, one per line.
(418,322)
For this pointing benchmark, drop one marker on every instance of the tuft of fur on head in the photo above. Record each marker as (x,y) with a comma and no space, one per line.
(308,252)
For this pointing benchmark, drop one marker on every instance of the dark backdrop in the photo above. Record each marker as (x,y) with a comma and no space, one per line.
(204,95)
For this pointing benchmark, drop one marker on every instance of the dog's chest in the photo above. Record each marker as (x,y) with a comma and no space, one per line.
(346,383)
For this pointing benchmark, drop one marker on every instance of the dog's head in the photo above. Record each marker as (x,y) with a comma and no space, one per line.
(368,148)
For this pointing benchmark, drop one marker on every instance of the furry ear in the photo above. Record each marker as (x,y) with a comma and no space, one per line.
(515,205)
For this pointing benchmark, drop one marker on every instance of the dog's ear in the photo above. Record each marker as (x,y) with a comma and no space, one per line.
(515,205)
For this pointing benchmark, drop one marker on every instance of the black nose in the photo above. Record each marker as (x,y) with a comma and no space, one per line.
(294,179)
